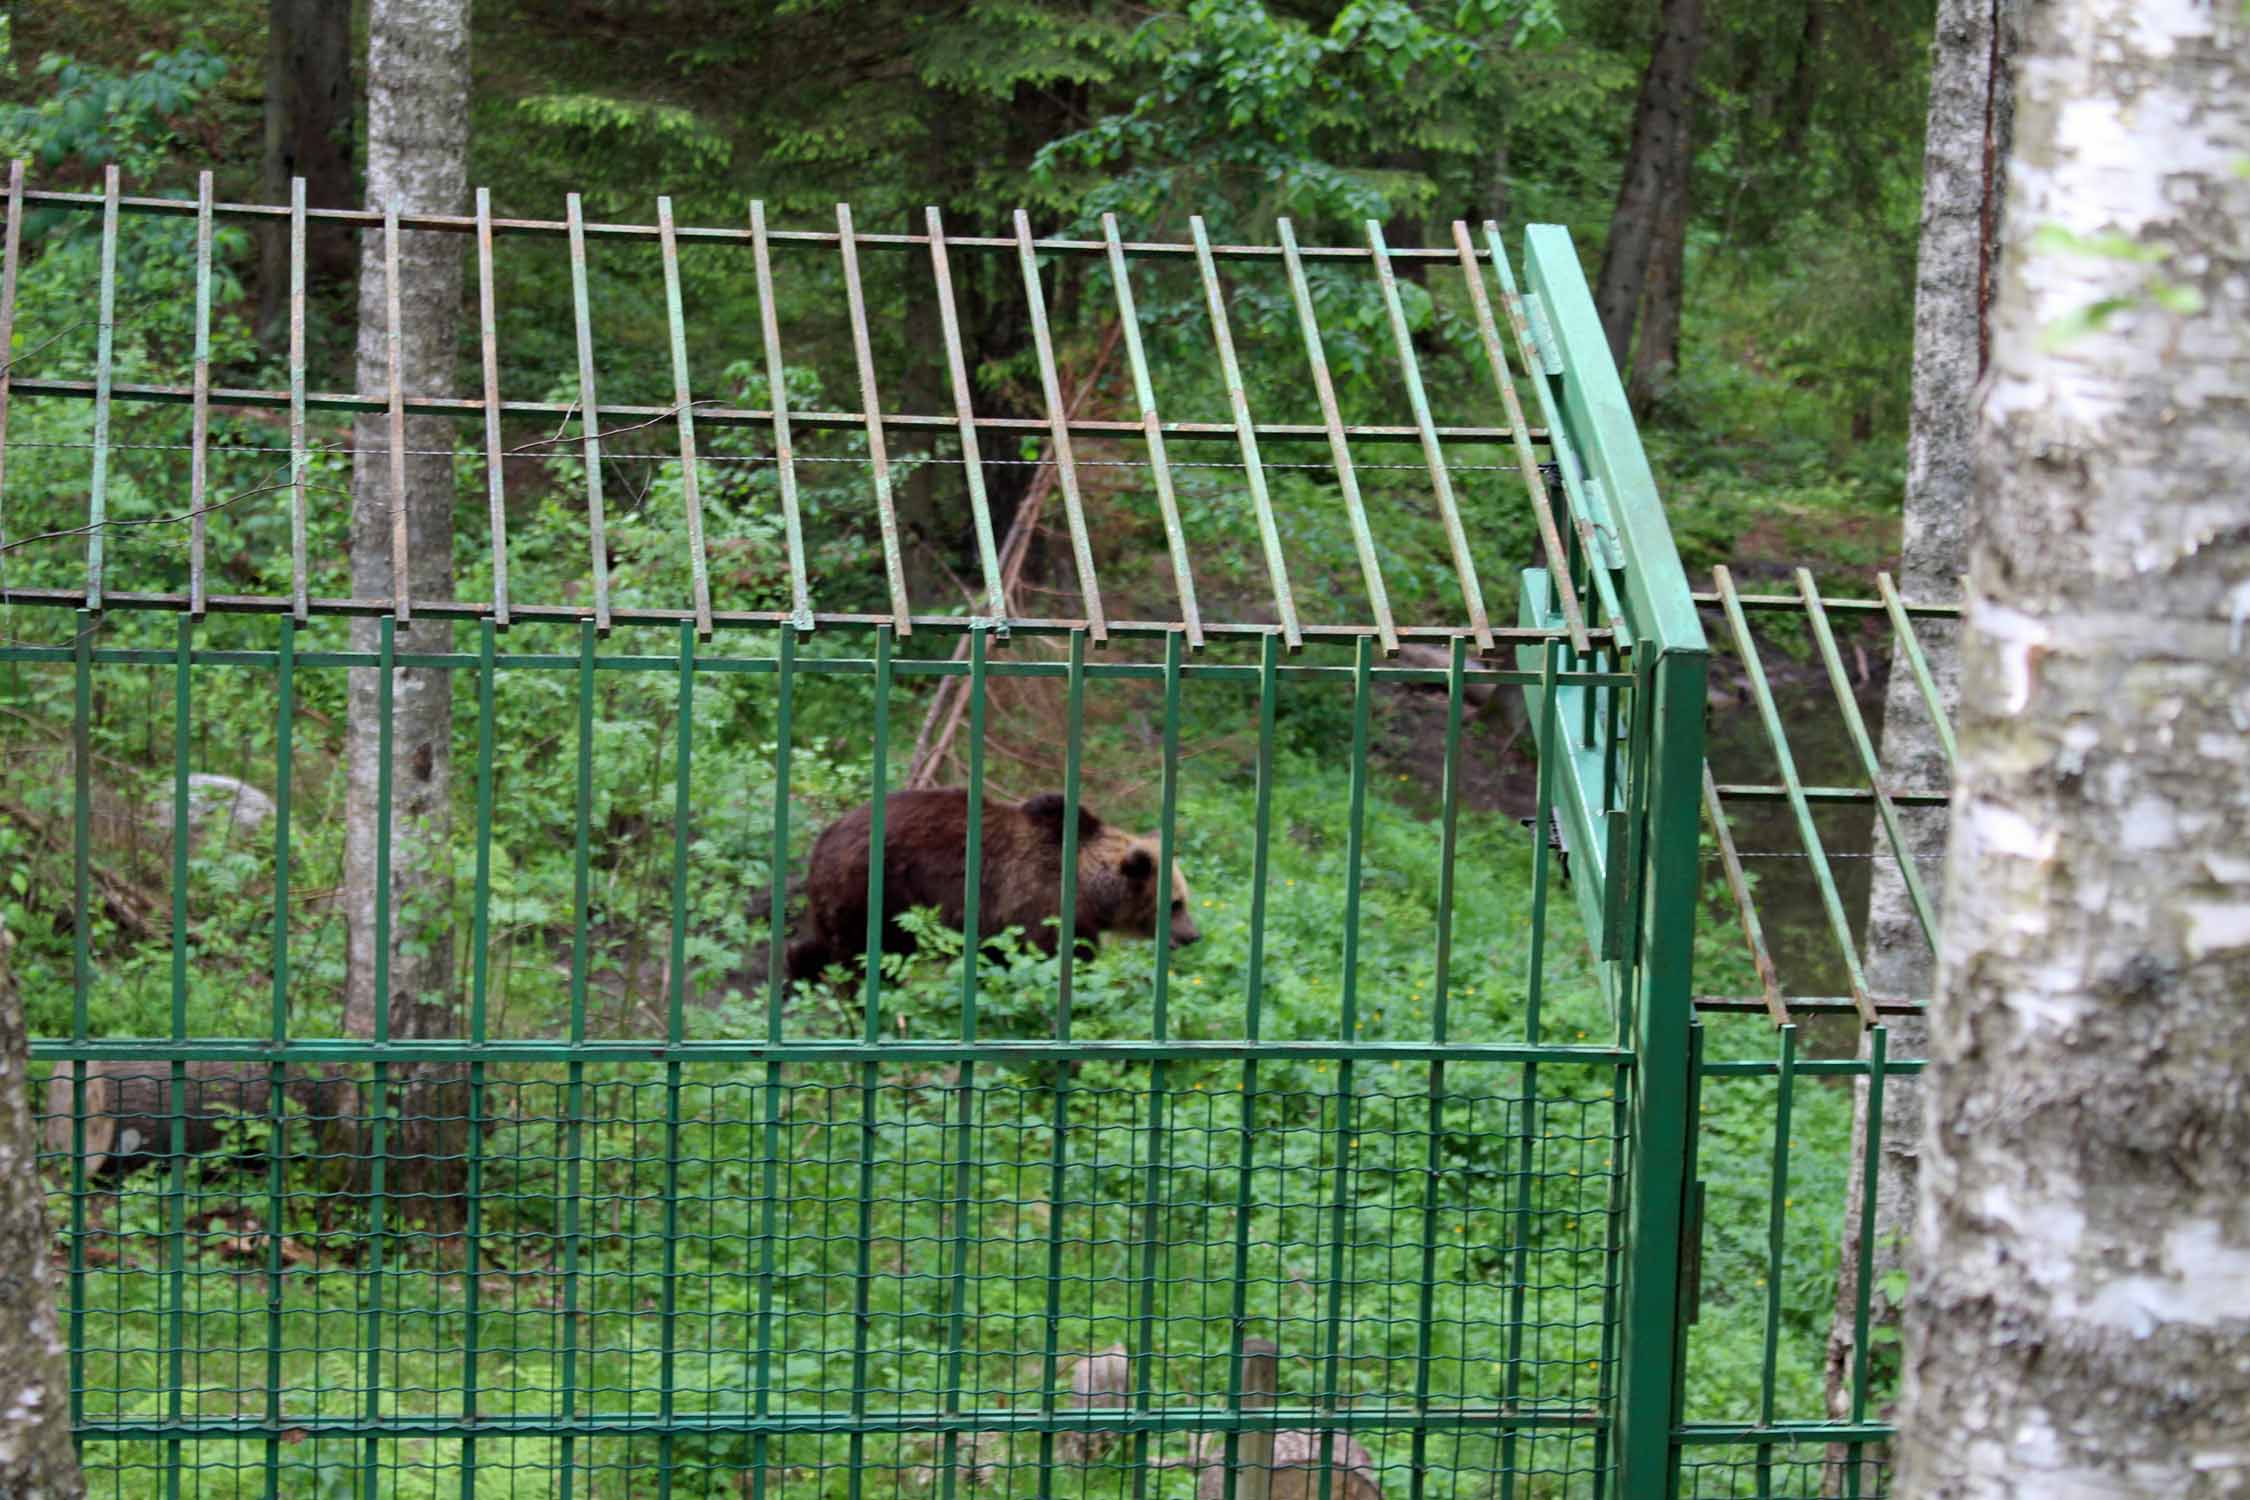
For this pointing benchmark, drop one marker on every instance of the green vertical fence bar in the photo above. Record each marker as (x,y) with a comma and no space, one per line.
(683,411)
(378,1105)
(1425,1296)
(1141,1343)
(81,978)
(675,1011)
(1777,1223)
(277,1153)
(105,351)
(1058,1166)
(589,412)
(1433,452)
(870,403)
(871,1032)
(574,1083)
(972,462)
(480,975)
(1346,1144)
(175,1197)
(1870,1175)
(777,397)
(199,438)
(1152,432)
(1246,434)
(1339,445)
(769,1171)
(963,1163)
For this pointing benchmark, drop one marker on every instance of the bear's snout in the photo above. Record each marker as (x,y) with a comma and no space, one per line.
(1184,930)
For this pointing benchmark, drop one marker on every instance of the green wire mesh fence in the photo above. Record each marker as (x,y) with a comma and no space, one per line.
(1384,1192)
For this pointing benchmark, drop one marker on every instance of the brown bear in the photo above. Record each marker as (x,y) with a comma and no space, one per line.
(925,848)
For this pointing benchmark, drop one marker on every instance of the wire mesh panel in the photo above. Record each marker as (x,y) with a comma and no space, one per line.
(1377,1188)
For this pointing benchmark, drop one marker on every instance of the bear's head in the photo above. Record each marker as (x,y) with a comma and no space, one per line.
(1114,862)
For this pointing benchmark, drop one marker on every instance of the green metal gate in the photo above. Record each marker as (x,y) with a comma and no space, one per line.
(867,1242)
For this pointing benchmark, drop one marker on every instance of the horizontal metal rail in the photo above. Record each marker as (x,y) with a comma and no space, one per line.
(626,1049)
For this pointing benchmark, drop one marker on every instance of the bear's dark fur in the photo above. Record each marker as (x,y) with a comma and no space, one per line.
(925,852)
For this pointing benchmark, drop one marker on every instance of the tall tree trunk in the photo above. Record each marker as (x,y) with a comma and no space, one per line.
(1961,199)
(417,162)
(2081,1300)
(1663,127)
(309,119)
(1656,347)
(37,1460)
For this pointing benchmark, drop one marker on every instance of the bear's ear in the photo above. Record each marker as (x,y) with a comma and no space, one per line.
(1047,808)
(1138,865)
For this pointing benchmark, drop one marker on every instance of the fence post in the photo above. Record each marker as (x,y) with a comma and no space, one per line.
(1670,660)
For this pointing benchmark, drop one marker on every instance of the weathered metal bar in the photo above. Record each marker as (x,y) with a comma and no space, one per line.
(199,440)
(81,975)
(1058,434)
(714,415)
(1253,471)
(1856,727)
(1441,479)
(777,393)
(750,619)
(589,421)
(105,353)
(1339,446)
(683,411)
(1917,662)
(300,467)
(1839,924)
(1791,604)
(11,250)
(496,491)
(718,235)
(1773,791)
(863,352)
(972,462)
(277,1119)
(1769,978)
(1808,1005)
(1152,430)
(1567,466)
(402,553)
(1534,482)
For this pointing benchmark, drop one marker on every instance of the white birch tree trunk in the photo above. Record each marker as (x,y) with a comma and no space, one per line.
(1964,154)
(37,1459)
(2079,1321)
(417,162)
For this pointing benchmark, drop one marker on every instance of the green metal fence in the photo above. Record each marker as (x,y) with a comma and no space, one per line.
(1023,1238)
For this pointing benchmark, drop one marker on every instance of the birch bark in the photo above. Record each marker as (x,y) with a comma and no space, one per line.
(2081,1302)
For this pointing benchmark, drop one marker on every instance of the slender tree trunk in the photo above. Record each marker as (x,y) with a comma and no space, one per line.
(1961,191)
(1656,348)
(2081,1302)
(1663,127)
(309,120)
(37,1459)
(417,162)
